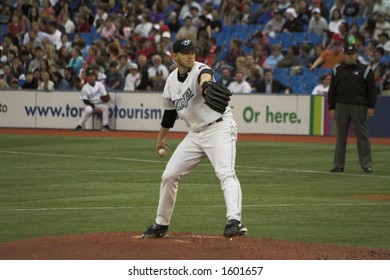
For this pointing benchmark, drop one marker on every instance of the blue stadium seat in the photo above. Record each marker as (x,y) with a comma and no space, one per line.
(299,37)
(88,37)
(314,38)
(3,30)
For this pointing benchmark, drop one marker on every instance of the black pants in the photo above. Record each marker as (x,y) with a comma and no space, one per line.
(345,113)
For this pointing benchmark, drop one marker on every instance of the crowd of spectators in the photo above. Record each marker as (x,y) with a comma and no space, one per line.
(48,44)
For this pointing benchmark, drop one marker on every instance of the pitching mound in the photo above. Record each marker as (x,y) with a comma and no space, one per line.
(177,246)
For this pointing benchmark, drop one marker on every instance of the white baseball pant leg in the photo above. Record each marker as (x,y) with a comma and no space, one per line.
(218,142)
(88,111)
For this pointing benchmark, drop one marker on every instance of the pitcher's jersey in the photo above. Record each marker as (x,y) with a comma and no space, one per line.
(186,98)
(93,93)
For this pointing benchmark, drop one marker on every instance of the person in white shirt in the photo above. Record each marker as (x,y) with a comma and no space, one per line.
(133,79)
(144,28)
(55,35)
(157,66)
(240,85)
(323,87)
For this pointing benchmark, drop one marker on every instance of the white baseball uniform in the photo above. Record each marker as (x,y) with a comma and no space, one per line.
(92,94)
(208,136)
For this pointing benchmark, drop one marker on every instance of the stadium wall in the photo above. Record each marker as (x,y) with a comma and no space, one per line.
(255,114)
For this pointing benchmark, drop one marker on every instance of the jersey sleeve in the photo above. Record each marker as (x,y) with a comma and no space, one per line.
(167,102)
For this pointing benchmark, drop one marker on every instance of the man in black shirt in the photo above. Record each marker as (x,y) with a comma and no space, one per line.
(352,96)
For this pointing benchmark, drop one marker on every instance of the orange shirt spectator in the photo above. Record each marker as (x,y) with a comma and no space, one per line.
(330,58)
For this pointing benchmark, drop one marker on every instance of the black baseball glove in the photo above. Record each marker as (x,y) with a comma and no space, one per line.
(216,96)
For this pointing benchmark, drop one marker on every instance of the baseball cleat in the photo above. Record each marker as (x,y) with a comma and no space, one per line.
(337,169)
(367,170)
(106,128)
(79,128)
(234,228)
(155,231)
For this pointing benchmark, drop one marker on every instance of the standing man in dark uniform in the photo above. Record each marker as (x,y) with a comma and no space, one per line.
(352,96)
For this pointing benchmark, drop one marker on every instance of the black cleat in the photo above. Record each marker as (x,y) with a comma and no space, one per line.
(337,170)
(79,128)
(234,228)
(106,128)
(367,170)
(155,231)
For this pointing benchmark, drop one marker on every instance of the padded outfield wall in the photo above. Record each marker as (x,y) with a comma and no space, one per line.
(254,113)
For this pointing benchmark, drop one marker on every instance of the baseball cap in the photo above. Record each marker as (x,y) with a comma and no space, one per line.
(385,34)
(133,66)
(292,12)
(350,49)
(316,10)
(183,45)
(166,34)
(90,71)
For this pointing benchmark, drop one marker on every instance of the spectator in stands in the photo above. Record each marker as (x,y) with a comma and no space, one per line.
(317,23)
(203,35)
(108,29)
(290,58)
(144,27)
(384,41)
(215,21)
(76,60)
(266,12)
(293,23)
(174,24)
(303,11)
(269,85)
(133,78)
(340,36)
(114,80)
(368,29)
(304,58)
(157,66)
(100,16)
(82,24)
(275,56)
(46,84)
(246,16)
(188,30)
(33,14)
(159,82)
(66,43)
(39,35)
(30,82)
(113,7)
(254,76)
(17,69)
(15,84)
(382,25)
(331,57)
(240,85)
(351,9)
(55,34)
(276,24)
(37,75)
(234,52)
(124,64)
(335,21)
(168,61)
(166,41)
(365,8)
(194,14)
(59,82)
(16,25)
(323,87)
(377,60)
(228,12)
(156,14)
(36,61)
(226,75)
(68,23)
(7,76)
(185,10)
(46,12)
(381,7)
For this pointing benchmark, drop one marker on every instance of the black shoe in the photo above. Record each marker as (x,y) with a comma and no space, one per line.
(105,128)
(79,128)
(367,170)
(234,228)
(337,169)
(155,231)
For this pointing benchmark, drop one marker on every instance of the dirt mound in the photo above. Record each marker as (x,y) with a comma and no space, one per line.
(178,246)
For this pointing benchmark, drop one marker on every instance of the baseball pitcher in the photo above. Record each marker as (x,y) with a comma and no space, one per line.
(191,93)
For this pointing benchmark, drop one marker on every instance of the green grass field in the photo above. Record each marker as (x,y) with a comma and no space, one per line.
(73,185)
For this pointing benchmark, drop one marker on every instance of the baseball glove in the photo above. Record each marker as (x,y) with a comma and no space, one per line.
(105,98)
(216,96)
